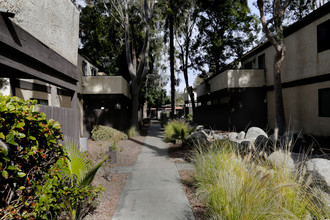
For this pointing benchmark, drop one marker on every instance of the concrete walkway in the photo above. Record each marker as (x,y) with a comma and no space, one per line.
(153,190)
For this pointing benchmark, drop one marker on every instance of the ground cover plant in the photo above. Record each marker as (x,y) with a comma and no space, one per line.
(250,188)
(176,131)
(32,162)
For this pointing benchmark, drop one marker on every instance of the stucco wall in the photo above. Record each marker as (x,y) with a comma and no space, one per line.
(302,59)
(54,22)
(237,79)
(105,85)
(64,101)
(301,109)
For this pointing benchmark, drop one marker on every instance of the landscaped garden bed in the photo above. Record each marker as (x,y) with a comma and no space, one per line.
(245,176)
(127,152)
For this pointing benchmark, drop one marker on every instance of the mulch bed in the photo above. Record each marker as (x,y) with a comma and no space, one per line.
(127,153)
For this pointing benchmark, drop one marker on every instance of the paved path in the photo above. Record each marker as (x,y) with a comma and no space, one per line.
(153,190)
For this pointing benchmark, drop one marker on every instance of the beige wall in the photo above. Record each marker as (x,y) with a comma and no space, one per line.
(237,79)
(64,101)
(301,60)
(234,79)
(54,22)
(301,109)
(105,85)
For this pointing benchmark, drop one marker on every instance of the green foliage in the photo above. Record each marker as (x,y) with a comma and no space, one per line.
(132,132)
(32,164)
(28,154)
(236,188)
(101,38)
(176,130)
(103,133)
(163,119)
(225,30)
(79,174)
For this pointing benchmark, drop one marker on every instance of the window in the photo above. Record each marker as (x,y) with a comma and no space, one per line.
(84,68)
(323,36)
(324,102)
(93,71)
(261,61)
(42,101)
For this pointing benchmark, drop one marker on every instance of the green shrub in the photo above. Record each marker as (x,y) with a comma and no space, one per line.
(33,164)
(28,154)
(79,172)
(163,119)
(104,133)
(132,132)
(236,188)
(176,130)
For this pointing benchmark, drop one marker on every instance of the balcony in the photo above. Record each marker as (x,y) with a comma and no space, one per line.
(93,85)
(242,78)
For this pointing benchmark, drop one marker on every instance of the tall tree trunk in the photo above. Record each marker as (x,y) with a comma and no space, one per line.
(172,61)
(279,106)
(135,106)
(278,43)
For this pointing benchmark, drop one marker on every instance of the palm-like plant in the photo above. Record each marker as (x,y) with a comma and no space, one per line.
(80,173)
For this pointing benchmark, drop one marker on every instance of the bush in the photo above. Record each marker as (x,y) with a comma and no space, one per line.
(104,133)
(132,132)
(176,130)
(163,119)
(28,154)
(32,165)
(236,188)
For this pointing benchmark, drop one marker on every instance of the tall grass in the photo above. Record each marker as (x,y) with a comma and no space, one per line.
(176,130)
(245,188)
(132,132)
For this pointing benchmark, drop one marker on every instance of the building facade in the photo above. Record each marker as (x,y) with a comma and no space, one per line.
(38,56)
(238,99)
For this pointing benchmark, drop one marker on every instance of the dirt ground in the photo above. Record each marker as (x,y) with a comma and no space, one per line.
(114,183)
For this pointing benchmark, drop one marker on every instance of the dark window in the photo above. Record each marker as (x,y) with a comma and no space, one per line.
(261,61)
(84,68)
(323,36)
(248,65)
(93,71)
(42,101)
(324,102)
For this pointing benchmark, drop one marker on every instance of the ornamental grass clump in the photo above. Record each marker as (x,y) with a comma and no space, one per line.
(242,188)
(176,131)
(132,132)
(104,133)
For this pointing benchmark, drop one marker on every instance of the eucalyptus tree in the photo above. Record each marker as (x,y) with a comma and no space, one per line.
(138,64)
(272,16)
(173,17)
(225,31)
(184,35)
(101,38)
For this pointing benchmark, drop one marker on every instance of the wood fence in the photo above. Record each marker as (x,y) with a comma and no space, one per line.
(67,117)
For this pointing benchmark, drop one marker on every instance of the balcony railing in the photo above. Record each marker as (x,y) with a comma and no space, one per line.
(242,78)
(105,85)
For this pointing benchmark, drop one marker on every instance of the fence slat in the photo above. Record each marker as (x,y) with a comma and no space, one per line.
(67,117)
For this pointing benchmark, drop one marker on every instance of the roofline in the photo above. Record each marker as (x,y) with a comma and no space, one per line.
(308,19)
